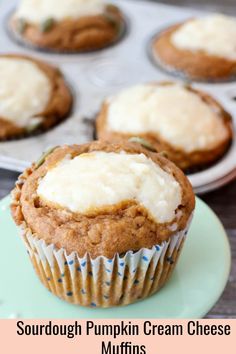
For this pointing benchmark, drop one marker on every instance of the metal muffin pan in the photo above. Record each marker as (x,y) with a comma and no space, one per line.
(93,76)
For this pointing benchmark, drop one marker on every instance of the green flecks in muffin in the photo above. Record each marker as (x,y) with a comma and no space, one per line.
(47,25)
(21,25)
(112,16)
(32,128)
(142,142)
(187,84)
(112,8)
(44,156)
(164,154)
(112,19)
(35,124)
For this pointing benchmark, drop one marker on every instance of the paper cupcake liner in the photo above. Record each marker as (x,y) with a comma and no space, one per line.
(103,282)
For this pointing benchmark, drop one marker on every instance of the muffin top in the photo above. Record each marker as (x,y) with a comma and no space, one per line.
(38,11)
(67,25)
(103,199)
(214,34)
(173,112)
(119,177)
(25,91)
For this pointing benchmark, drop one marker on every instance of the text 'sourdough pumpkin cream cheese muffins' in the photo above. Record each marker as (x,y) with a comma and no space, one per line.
(67,25)
(189,125)
(33,96)
(202,48)
(103,223)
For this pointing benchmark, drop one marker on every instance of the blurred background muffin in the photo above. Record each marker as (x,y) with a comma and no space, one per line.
(67,25)
(189,125)
(201,48)
(33,95)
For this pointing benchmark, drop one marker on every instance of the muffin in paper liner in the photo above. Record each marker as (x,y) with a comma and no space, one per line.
(103,282)
(96,279)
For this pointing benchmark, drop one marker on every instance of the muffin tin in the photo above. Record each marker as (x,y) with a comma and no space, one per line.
(95,75)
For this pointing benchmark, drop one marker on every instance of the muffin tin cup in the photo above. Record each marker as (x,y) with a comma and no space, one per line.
(18,39)
(103,282)
(178,74)
(40,129)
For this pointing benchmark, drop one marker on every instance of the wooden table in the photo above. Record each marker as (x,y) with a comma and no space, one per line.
(222,201)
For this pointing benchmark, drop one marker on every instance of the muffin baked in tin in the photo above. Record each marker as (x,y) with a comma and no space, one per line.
(74,26)
(106,238)
(199,48)
(187,124)
(34,96)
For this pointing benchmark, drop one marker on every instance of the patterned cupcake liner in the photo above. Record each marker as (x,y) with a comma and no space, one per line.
(103,282)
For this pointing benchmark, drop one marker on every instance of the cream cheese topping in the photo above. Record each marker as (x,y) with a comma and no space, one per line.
(214,34)
(24,91)
(37,11)
(97,179)
(172,112)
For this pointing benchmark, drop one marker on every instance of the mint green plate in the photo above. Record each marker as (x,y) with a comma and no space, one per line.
(195,286)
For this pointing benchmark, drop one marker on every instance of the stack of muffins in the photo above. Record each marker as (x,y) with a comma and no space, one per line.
(104,222)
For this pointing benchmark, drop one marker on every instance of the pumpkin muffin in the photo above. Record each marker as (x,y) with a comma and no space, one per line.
(67,25)
(33,95)
(200,48)
(189,125)
(103,223)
